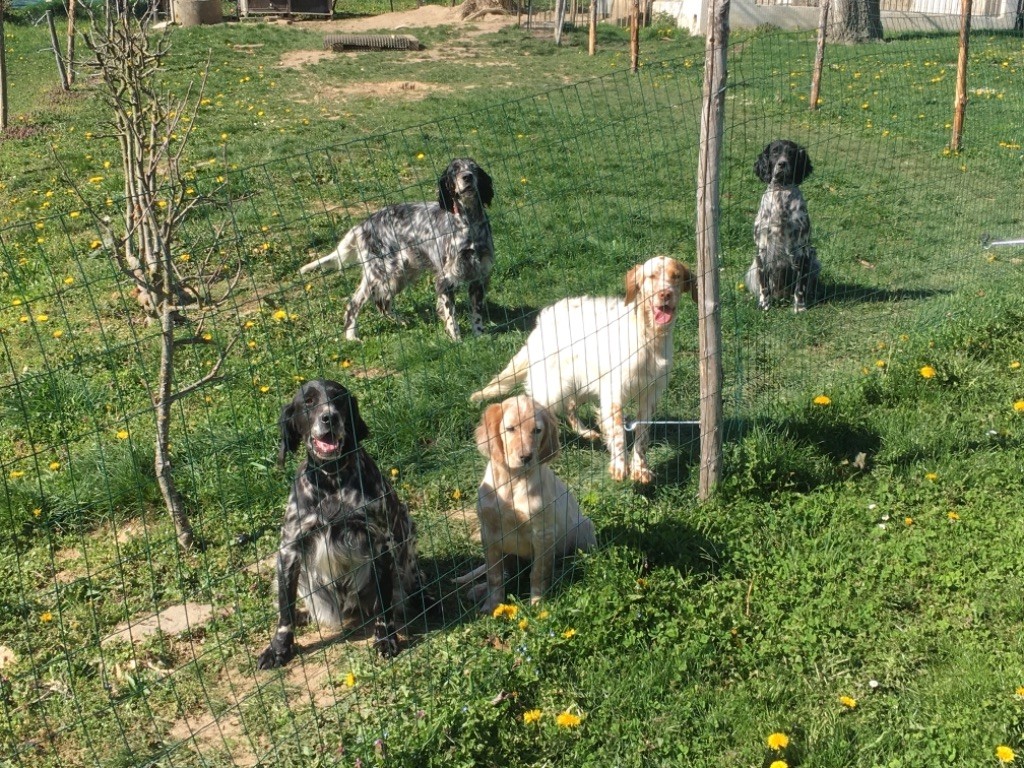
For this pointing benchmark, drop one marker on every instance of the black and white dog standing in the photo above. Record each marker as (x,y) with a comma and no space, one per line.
(786,264)
(347,542)
(450,238)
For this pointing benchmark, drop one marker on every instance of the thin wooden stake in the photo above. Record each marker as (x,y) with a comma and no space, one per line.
(71,41)
(4,118)
(708,306)
(634,37)
(56,52)
(960,99)
(592,42)
(819,55)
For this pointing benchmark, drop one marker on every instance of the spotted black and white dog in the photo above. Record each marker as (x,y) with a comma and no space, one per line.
(450,238)
(347,543)
(786,264)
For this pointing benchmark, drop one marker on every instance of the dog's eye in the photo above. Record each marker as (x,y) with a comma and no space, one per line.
(511,429)
(310,400)
(537,430)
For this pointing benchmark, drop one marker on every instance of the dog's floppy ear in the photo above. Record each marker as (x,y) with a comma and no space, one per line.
(763,167)
(484,186)
(632,285)
(549,447)
(291,435)
(446,190)
(689,282)
(488,433)
(355,422)
(801,166)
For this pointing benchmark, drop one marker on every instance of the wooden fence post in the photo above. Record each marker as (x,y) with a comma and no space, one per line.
(708,304)
(4,117)
(634,37)
(592,40)
(819,54)
(956,141)
(56,52)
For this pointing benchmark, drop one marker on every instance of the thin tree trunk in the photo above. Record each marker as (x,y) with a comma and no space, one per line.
(559,20)
(634,37)
(61,71)
(819,54)
(708,305)
(960,99)
(592,36)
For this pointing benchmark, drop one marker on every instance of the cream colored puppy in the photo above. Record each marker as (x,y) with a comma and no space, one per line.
(525,510)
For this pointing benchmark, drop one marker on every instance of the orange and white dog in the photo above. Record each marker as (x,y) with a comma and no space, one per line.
(606,349)
(525,510)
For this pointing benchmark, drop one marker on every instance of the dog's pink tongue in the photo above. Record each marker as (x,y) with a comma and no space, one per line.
(325,446)
(661,316)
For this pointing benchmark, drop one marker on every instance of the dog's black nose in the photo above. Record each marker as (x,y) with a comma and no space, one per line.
(526,458)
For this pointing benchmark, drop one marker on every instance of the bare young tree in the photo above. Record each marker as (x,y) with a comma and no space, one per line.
(152,129)
(4,117)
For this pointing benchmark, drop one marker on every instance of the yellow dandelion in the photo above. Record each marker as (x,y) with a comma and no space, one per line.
(16,303)
(42,318)
(420,155)
(931,477)
(350,680)
(953,516)
(207,336)
(531,716)
(908,521)
(880,363)
(778,741)
(823,400)
(779,764)
(17,473)
(264,389)
(523,623)
(456,494)
(95,179)
(46,617)
(1004,754)
(567,720)
(543,615)
(58,333)
(122,434)
(346,363)
(54,466)
(848,701)
(280,315)
(69,280)
(1018,406)
(1015,365)
(75,214)
(927,372)
(37,512)
(252,345)
(507,611)
(94,244)
(569,633)
(394,471)
(1020,692)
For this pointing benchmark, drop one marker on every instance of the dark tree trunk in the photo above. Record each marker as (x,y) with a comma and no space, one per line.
(855,21)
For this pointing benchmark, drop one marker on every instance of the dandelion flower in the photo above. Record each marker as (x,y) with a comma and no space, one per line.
(543,615)
(394,471)
(927,372)
(1004,754)
(523,624)
(54,466)
(42,318)
(280,315)
(567,720)
(46,617)
(1020,692)
(69,280)
(531,716)
(953,516)
(778,741)
(1015,365)
(779,764)
(569,633)
(58,333)
(931,477)
(823,400)
(16,474)
(264,389)
(848,701)
(350,680)
(908,521)
(1019,406)
(505,610)
(122,434)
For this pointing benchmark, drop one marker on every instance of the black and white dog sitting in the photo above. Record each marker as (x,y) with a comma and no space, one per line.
(450,238)
(786,264)
(347,542)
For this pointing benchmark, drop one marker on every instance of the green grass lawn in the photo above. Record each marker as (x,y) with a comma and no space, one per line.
(856,583)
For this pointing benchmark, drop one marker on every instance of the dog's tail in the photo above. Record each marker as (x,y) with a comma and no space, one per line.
(502,384)
(473,575)
(347,252)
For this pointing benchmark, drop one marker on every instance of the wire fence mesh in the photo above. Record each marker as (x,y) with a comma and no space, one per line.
(124,650)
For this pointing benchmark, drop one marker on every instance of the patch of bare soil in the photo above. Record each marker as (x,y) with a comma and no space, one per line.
(171,621)
(409,90)
(425,16)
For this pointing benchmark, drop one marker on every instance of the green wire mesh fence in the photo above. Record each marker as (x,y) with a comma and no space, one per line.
(126,650)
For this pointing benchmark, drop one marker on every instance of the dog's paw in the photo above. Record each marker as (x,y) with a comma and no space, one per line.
(641,474)
(272,657)
(617,469)
(493,601)
(385,640)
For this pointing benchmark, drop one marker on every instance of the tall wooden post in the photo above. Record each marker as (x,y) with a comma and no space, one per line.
(819,55)
(960,99)
(708,305)
(592,41)
(61,71)
(4,117)
(71,41)
(634,37)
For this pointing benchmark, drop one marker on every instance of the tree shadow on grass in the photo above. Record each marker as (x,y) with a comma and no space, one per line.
(852,293)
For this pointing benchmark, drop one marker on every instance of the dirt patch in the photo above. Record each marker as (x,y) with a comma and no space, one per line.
(299,59)
(424,16)
(410,90)
(172,621)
